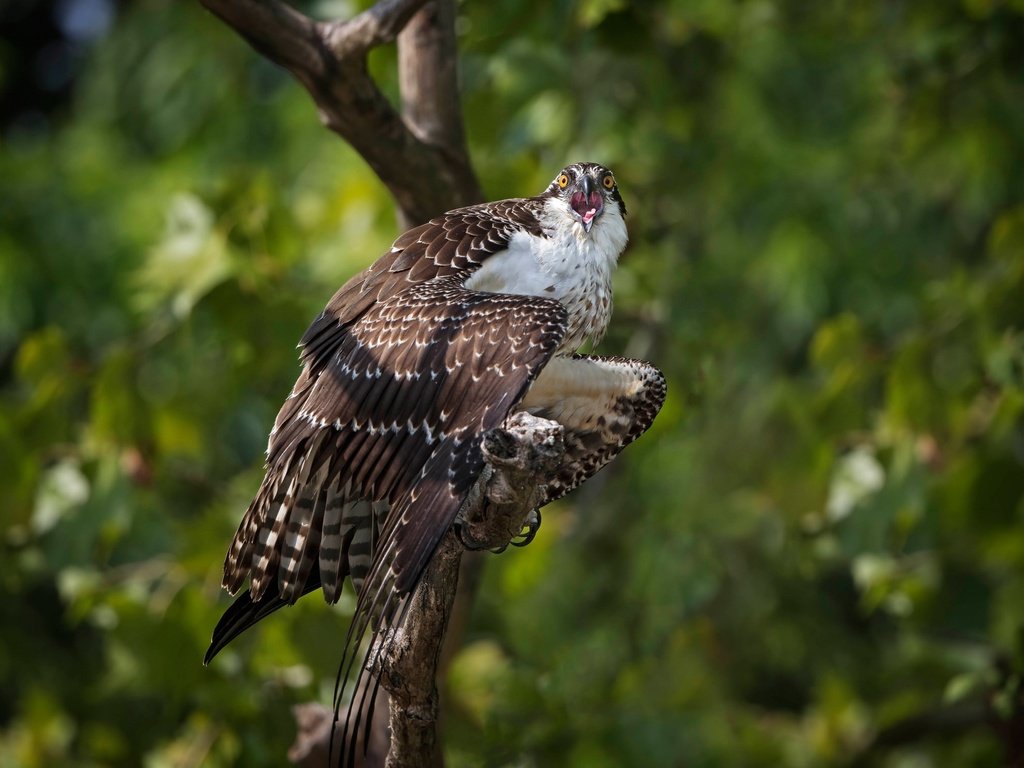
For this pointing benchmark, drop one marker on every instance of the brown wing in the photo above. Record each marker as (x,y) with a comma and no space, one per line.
(455,243)
(400,371)
(406,398)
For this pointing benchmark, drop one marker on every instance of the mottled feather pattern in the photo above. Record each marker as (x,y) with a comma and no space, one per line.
(369,310)
(397,376)
(593,441)
(453,244)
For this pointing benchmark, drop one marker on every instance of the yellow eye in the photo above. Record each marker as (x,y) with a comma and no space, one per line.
(608,181)
(563,181)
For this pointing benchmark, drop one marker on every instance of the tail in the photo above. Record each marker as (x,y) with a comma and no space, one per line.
(245,612)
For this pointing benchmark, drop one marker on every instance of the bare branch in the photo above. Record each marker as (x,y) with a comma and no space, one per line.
(428,77)
(409,671)
(375,26)
(426,177)
(520,456)
(279,32)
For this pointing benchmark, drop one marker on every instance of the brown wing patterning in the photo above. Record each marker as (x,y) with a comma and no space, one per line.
(386,366)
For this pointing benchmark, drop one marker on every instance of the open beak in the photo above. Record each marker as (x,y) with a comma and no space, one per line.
(586,202)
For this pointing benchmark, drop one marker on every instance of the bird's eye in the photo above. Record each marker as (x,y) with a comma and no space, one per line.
(608,181)
(563,181)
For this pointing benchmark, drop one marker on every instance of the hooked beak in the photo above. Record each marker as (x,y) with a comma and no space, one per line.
(586,202)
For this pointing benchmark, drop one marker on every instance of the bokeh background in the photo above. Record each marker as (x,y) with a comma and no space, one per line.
(815,557)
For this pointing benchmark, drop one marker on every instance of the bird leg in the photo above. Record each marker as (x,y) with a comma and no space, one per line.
(578,415)
(519,456)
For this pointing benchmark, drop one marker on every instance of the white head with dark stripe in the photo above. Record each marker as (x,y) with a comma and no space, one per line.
(588,191)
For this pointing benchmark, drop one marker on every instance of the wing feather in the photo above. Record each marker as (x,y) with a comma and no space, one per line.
(603,403)
(379,355)
(332,566)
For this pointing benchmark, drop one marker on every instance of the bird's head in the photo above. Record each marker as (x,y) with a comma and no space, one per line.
(587,189)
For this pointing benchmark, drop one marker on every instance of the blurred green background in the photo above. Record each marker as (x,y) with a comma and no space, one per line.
(815,557)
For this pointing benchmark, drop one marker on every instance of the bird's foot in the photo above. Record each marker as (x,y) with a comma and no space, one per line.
(470,544)
(530,528)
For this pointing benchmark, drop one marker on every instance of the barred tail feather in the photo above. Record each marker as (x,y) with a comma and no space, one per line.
(297,545)
(266,554)
(331,569)
(238,562)
(304,543)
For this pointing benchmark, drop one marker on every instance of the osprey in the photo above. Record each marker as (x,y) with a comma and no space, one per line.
(469,318)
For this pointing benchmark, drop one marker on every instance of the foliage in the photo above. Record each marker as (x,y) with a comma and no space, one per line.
(816,556)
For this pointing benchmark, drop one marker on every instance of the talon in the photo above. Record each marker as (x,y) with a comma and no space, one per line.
(532,526)
(471,546)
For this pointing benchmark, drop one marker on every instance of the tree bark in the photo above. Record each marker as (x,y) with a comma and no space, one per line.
(428,82)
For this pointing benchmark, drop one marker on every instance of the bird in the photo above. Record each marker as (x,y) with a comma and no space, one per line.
(469,318)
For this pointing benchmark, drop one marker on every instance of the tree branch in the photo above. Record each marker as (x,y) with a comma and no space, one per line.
(427,175)
(379,25)
(279,32)
(428,80)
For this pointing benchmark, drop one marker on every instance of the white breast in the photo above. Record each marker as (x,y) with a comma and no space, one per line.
(568,264)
